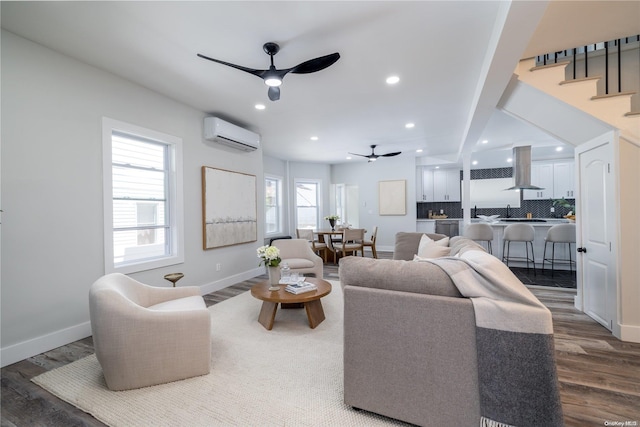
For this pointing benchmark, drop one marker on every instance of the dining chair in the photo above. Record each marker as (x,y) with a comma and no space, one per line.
(352,239)
(372,243)
(317,247)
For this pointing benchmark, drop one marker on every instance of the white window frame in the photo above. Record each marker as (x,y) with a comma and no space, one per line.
(318,183)
(280,226)
(175,198)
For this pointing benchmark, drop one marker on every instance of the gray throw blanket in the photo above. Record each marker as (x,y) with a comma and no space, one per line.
(514,337)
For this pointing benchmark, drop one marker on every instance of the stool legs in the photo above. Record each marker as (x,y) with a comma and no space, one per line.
(553,257)
(527,258)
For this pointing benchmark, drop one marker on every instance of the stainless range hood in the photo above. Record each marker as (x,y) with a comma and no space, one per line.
(522,169)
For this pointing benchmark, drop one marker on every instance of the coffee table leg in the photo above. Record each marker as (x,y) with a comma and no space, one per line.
(267,314)
(315,313)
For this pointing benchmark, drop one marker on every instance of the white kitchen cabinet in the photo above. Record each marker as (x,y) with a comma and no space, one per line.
(446,185)
(541,176)
(424,184)
(563,181)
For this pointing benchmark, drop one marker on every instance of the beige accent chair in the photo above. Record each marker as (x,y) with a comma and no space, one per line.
(352,239)
(319,248)
(145,335)
(298,255)
(372,243)
(480,232)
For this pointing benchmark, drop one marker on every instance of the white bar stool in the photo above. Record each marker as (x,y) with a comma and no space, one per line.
(519,233)
(480,232)
(560,233)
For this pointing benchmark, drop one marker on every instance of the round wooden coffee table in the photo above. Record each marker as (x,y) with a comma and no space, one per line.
(309,300)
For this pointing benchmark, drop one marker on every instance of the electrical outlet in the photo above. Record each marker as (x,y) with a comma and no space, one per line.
(218,267)
(553,209)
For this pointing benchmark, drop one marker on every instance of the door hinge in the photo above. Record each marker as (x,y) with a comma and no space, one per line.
(608,167)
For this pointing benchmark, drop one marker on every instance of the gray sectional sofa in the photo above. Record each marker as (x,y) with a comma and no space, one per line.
(410,345)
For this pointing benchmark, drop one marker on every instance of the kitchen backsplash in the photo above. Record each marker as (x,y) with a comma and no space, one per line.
(537,208)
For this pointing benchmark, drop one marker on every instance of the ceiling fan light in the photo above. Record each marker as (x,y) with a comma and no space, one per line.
(273,81)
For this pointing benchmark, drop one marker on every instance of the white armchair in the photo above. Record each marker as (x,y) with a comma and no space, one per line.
(299,256)
(145,335)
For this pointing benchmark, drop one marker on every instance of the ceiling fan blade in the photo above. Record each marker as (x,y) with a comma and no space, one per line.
(274,93)
(258,73)
(361,155)
(391,154)
(316,64)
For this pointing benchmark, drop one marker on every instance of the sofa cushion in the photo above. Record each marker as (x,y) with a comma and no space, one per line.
(407,244)
(432,250)
(181,304)
(398,275)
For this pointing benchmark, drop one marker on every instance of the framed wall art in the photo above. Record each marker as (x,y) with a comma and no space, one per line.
(392,198)
(229,208)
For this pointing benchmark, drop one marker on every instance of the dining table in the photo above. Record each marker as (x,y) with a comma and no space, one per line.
(328,236)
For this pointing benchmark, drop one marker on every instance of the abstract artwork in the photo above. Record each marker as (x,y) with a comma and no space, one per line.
(229,208)
(392,197)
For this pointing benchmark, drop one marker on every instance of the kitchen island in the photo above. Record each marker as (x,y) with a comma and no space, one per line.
(541,227)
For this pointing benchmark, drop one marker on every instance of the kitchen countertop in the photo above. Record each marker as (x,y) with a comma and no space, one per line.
(548,221)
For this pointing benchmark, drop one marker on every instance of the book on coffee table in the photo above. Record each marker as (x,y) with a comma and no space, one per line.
(299,288)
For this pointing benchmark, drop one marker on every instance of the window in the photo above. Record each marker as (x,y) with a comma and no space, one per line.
(307,203)
(273,205)
(142,198)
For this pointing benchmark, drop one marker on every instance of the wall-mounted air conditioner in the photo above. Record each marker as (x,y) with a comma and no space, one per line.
(228,134)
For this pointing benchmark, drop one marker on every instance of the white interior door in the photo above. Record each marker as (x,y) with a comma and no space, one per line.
(596,233)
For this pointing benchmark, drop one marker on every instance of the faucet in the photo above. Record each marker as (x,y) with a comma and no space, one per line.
(508,213)
(475,211)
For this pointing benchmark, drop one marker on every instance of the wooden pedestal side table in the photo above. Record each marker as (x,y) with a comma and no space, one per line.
(309,300)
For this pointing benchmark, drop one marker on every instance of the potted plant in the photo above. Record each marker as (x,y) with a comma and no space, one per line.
(564,203)
(332,220)
(270,257)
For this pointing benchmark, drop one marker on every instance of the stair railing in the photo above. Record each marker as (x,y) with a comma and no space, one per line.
(582,52)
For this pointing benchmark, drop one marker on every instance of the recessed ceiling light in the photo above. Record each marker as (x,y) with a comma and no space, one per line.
(484,141)
(260,107)
(391,80)
(419,150)
(475,162)
(314,138)
(437,167)
(348,157)
(410,125)
(509,160)
(558,148)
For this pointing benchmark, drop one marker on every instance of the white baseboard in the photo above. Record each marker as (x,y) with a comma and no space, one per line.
(23,350)
(231,280)
(20,351)
(628,333)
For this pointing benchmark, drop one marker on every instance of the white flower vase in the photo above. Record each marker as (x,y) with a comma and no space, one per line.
(274,278)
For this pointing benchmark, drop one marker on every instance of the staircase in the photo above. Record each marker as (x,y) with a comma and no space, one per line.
(582,93)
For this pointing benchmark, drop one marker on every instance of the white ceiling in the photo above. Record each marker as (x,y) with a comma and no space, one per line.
(454,60)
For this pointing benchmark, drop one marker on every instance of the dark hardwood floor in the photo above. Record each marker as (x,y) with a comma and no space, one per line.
(599,375)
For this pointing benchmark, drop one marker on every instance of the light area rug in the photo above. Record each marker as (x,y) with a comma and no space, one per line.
(289,376)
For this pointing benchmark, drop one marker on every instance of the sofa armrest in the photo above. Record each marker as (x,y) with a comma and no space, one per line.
(411,356)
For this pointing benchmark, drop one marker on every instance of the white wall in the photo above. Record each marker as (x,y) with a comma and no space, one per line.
(366,176)
(52,225)
(629,242)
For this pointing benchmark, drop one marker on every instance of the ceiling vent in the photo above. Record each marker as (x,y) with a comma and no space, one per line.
(522,169)
(228,134)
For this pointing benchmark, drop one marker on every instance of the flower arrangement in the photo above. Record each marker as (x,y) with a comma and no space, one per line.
(269,255)
(332,217)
